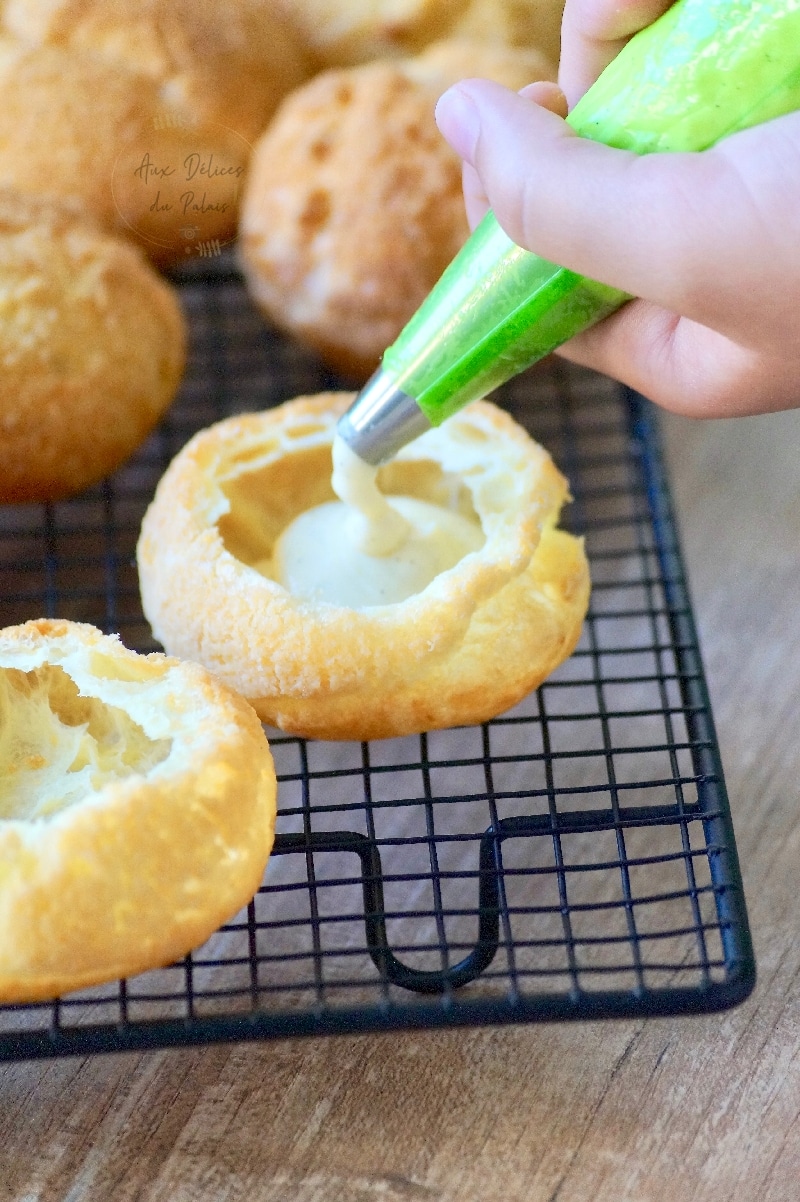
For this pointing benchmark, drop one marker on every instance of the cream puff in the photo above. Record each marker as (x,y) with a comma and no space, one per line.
(353,204)
(92,348)
(229,62)
(345,32)
(74,126)
(331,636)
(137,808)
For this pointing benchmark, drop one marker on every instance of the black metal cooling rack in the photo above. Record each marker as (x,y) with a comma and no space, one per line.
(572,859)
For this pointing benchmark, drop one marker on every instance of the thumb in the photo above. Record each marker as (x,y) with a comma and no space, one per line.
(545,93)
(625,220)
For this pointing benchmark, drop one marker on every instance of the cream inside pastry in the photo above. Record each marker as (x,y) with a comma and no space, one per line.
(471,644)
(365,550)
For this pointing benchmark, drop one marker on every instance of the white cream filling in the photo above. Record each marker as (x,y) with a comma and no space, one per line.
(365,549)
(374,525)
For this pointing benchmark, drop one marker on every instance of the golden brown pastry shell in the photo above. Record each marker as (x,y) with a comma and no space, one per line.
(74,126)
(225,61)
(470,645)
(346,32)
(353,204)
(92,347)
(148,866)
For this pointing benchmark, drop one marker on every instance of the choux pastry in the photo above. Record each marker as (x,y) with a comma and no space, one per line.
(74,126)
(353,204)
(345,32)
(227,62)
(461,648)
(91,349)
(137,808)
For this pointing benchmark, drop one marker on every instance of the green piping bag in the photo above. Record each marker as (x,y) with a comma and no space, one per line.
(702,71)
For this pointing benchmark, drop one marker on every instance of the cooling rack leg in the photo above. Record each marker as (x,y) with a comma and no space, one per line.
(391,969)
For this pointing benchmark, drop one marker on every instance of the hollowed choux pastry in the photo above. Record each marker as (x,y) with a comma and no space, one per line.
(470,644)
(74,126)
(92,347)
(345,32)
(353,205)
(228,62)
(137,808)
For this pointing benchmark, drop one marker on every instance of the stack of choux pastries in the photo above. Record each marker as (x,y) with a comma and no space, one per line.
(148,113)
(137,793)
(120,125)
(158,124)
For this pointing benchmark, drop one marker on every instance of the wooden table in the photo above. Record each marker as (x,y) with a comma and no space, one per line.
(691,1110)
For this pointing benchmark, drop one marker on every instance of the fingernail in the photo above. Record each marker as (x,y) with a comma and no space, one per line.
(459,121)
(547,95)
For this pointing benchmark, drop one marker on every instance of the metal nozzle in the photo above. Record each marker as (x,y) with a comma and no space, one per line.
(381,420)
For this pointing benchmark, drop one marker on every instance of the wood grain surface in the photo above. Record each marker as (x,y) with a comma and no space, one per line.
(691,1110)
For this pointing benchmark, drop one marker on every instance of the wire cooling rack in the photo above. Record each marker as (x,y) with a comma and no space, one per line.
(572,859)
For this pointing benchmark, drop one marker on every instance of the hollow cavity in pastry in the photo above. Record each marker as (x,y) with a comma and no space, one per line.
(137,808)
(471,643)
(58,748)
(363,549)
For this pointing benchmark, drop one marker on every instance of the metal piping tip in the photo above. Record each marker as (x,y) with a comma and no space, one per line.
(381,420)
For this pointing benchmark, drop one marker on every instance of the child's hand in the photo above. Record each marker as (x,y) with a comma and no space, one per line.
(710,241)
(593,32)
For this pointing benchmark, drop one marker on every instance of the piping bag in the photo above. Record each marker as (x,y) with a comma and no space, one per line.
(702,71)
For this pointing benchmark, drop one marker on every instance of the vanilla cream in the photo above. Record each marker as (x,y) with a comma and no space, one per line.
(367,549)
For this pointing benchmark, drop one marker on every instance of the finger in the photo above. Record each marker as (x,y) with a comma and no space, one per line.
(568,199)
(695,233)
(549,96)
(684,366)
(593,32)
(476,201)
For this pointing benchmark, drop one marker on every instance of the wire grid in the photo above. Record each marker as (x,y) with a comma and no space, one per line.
(573,858)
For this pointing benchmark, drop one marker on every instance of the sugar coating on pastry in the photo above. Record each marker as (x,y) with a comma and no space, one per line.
(347,32)
(353,204)
(91,349)
(73,126)
(474,641)
(230,61)
(137,808)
